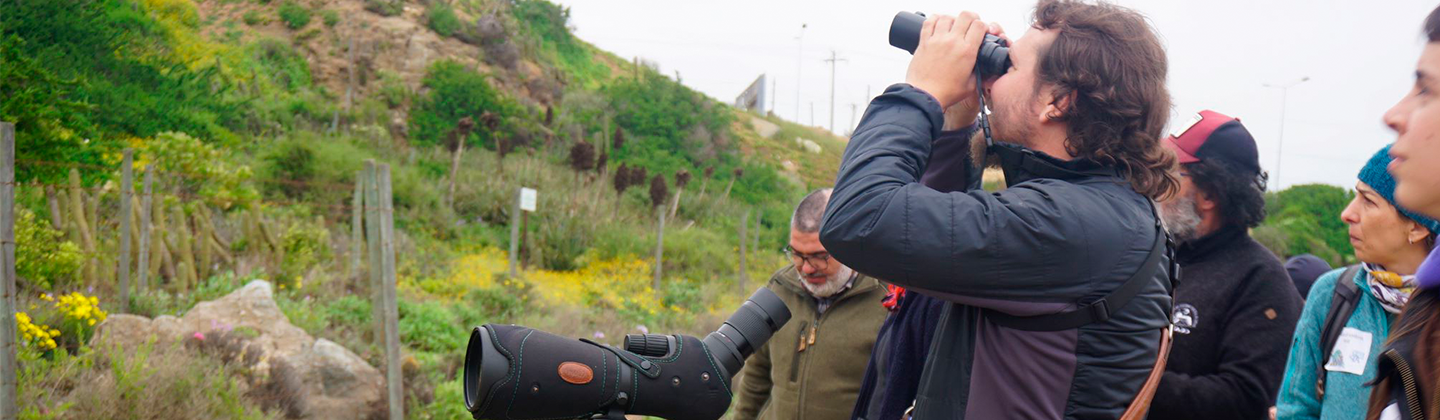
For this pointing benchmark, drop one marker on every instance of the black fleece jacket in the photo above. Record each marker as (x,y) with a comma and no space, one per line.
(1235,310)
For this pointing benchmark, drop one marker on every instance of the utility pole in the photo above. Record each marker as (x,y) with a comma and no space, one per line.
(833,60)
(774,92)
(1280,144)
(812,113)
(799,64)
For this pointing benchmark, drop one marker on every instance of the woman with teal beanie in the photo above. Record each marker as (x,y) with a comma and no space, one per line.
(1391,242)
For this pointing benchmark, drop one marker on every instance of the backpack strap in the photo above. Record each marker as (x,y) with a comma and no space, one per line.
(1100,310)
(1342,305)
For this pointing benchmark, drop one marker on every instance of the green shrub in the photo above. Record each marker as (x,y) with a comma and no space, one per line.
(455,93)
(43,259)
(1308,216)
(291,166)
(330,16)
(393,90)
(385,7)
(205,170)
(449,402)
(307,34)
(494,304)
(253,17)
(71,104)
(548,23)
(306,245)
(294,15)
(442,19)
(139,383)
(429,326)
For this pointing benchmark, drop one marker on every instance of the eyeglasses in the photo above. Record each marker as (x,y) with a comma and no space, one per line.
(819,260)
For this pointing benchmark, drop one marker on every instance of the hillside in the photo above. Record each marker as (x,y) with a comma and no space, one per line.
(255,116)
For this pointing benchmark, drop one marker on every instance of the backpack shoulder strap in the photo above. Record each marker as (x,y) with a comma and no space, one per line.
(1100,310)
(1342,305)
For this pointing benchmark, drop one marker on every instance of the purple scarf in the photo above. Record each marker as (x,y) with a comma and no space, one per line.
(1428,276)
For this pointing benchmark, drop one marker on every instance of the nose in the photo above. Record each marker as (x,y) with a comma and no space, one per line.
(1351,216)
(1396,117)
(806,267)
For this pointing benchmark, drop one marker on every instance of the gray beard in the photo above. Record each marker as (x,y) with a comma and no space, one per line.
(832,286)
(1181,218)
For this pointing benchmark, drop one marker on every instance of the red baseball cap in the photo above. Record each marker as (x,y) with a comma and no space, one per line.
(1212,135)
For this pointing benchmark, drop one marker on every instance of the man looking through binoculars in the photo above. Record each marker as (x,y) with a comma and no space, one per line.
(1058,287)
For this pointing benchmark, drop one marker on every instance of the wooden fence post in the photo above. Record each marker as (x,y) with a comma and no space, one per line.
(515,222)
(357,228)
(755,247)
(372,240)
(143,271)
(659,249)
(127,187)
(744,221)
(56,220)
(77,217)
(393,376)
(8,385)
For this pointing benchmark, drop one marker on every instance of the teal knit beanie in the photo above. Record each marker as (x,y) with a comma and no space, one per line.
(1378,178)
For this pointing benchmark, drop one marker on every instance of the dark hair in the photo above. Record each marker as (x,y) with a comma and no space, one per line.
(811,210)
(1420,317)
(1240,196)
(1108,62)
(1432,25)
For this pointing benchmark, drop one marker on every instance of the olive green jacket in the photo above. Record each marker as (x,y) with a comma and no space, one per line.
(812,367)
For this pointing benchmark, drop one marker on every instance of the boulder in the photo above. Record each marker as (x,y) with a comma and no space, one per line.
(764,128)
(336,383)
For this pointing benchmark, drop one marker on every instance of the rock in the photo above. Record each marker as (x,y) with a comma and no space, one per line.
(764,128)
(336,383)
(333,376)
(807,144)
(126,331)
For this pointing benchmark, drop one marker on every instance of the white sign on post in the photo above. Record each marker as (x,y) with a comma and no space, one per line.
(527,199)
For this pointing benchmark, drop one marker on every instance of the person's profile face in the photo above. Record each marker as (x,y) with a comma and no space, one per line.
(1012,95)
(1416,118)
(1377,229)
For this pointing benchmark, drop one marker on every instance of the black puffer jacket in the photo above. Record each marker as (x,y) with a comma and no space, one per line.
(1040,246)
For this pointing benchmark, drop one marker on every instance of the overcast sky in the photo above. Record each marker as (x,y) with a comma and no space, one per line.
(1359,55)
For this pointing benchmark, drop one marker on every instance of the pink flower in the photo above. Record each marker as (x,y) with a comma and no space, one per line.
(199,336)
(599,335)
(642,329)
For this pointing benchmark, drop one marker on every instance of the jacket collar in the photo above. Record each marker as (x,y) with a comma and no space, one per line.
(1199,249)
(1022,164)
(790,280)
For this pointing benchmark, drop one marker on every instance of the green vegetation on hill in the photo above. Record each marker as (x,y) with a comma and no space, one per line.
(1305,219)
(228,103)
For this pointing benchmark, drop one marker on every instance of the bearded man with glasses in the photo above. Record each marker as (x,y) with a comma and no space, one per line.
(811,369)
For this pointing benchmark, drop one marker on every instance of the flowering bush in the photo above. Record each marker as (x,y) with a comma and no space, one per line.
(40,337)
(42,257)
(74,315)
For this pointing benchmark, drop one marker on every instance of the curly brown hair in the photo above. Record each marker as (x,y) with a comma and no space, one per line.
(1107,62)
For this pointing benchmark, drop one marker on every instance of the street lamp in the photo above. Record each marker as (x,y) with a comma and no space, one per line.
(799,60)
(1280,144)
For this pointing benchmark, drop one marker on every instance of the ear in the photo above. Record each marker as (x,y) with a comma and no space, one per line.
(1057,106)
(1417,233)
(1203,202)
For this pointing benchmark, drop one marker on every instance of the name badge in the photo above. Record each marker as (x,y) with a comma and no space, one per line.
(1351,352)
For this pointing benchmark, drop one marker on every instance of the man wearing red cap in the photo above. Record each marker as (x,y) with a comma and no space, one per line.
(1235,308)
